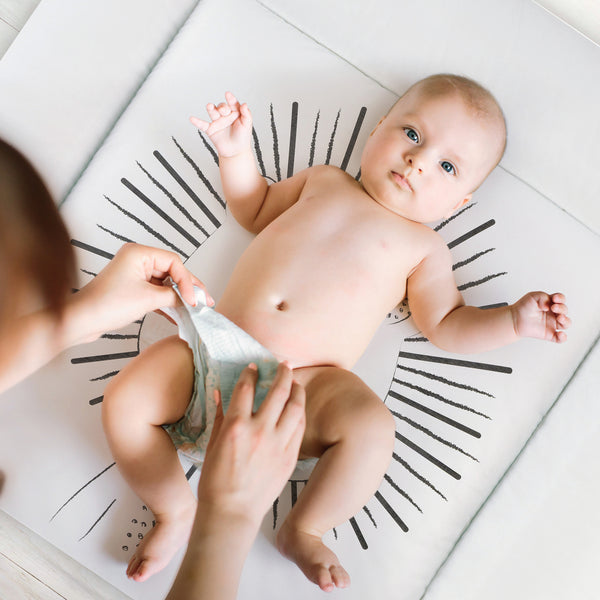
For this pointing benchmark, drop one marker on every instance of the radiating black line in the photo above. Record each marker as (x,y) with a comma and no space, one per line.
(97,520)
(435,414)
(391,512)
(191,472)
(209,148)
(353,138)
(358,175)
(335,535)
(470,284)
(432,435)
(439,397)
(418,475)
(82,488)
(275,506)
(462,386)
(462,263)
(258,153)
(275,144)
(200,174)
(455,362)
(119,336)
(454,216)
(368,513)
(294,492)
(95,401)
(332,138)
(147,228)
(313,141)
(105,376)
(92,249)
(416,339)
(88,272)
(432,459)
(497,305)
(358,532)
(402,492)
(101,357)
(187,189)
(116,235)
(293,129)
(173,200)
(470,234)
(160,212)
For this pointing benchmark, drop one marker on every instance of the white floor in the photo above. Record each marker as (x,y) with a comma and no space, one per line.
(29,566)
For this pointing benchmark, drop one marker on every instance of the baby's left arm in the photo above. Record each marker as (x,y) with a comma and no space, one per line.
(440,312)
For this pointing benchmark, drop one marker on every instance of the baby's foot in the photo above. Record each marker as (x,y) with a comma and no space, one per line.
(315,559)
(159,545)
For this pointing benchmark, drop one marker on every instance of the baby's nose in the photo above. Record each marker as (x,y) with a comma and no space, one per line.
(415,163)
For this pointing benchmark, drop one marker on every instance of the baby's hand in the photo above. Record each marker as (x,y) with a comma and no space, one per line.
(230,127)
(540,315)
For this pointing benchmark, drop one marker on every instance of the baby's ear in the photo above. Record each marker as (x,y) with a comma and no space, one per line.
(376,126)
(459,204)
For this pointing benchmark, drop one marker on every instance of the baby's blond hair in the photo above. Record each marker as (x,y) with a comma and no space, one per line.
(479,99)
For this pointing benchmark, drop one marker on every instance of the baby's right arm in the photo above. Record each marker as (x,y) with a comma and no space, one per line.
(251,200)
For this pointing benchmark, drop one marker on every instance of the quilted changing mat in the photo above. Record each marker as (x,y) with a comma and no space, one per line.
(460,420)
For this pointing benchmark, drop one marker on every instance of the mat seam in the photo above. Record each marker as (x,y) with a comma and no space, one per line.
(510,467)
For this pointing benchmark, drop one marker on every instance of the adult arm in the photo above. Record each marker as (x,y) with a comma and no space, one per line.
(125,290)
(248,460)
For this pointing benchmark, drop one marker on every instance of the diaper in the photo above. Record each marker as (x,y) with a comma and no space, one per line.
(221,352)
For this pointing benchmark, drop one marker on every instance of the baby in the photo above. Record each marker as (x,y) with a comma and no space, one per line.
(326,243)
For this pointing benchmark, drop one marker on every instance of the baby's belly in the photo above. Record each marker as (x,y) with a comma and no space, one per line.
(298,327)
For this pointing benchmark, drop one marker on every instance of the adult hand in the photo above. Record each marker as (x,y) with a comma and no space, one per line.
(251,456)
(248,460)
(131,286)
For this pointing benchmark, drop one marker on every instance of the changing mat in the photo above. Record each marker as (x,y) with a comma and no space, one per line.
(460,420)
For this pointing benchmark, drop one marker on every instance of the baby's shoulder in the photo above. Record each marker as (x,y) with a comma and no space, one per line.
(328,172)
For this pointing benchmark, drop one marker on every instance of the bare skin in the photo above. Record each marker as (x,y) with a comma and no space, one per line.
(332,257)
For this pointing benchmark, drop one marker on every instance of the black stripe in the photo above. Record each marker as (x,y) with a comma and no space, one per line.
(101,357)
(293,129)
(427,456)
(435,415)
(186,188)
(470,234)
(455,362)
(353,137)
(92,249)
(391,512)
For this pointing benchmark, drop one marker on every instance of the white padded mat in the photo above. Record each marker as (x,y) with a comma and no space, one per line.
(460,420)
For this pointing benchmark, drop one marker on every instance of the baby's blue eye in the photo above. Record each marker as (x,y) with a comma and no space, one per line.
(411,134)
(448,167)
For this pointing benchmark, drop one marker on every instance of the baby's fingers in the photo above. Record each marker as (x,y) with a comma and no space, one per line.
(200,124)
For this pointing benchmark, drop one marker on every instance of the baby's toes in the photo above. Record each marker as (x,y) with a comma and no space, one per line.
(340,576)
(323,579)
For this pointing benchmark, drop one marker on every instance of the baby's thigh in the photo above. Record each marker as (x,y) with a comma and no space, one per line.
(155,387)
(340,407)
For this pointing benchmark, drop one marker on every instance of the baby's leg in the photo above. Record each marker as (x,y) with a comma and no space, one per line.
(352,432)
(152,390)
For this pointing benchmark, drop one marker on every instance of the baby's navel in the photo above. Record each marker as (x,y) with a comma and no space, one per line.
(282,305)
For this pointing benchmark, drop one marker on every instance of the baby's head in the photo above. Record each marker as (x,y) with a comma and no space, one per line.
(434,148)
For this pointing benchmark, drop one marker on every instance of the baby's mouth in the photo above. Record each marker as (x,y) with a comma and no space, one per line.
(402,181)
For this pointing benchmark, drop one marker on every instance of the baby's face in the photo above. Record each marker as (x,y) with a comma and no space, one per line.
(425,158)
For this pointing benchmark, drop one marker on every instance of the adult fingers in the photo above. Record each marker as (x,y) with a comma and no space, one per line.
(218,422)
(277,396)
(292,421)
(242,399)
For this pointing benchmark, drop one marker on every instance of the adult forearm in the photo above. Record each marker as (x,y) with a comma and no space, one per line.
(35,339)
(468,329)
(213,563)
